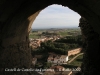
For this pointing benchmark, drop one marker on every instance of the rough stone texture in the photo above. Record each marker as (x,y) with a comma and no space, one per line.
(91,49)
(16,17)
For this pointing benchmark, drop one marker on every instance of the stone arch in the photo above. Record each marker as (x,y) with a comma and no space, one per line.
(16,17)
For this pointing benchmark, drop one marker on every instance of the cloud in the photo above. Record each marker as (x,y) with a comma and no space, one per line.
(56,16)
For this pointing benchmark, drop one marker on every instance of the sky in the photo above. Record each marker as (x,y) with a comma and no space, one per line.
(56,16)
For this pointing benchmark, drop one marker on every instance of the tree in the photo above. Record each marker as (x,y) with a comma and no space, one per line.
(47,65)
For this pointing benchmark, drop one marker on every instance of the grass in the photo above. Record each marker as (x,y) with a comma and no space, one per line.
(68,66)
(63,33)
(70,57)
(66,33)
(77,61)
(34,36)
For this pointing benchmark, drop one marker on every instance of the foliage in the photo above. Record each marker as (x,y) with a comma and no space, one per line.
(60,46)
(52,47)
(71,40)
(69,66)
(47,65)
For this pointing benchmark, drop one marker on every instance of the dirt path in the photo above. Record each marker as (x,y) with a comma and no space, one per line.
(74,58)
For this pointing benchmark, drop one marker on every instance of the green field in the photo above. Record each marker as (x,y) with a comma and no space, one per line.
(77,61)
(63,32)
(34,35)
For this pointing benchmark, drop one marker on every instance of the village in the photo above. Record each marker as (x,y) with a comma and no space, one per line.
(56,61)
(35,43)
(53,60)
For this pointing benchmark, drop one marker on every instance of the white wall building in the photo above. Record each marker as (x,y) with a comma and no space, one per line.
(58,59)
(64,58)
(50,59)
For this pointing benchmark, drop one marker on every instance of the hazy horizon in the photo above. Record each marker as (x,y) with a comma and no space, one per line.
(55,27)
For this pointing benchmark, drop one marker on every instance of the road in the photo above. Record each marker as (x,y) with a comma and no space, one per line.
(74,58)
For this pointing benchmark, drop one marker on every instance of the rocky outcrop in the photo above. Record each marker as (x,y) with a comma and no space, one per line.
(16,17)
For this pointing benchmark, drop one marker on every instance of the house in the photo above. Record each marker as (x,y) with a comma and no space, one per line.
(34,60)
(64,58)
(59,59)
(35,43)
(50,59)
(58,68)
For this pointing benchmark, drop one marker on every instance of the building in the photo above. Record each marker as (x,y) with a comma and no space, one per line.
(59,59)
(64,58)
(58,68)
(74,51)
(35,43)
(50,59)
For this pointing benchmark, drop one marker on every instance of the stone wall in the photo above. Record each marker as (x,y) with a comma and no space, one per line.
(74,51)
(91,48)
